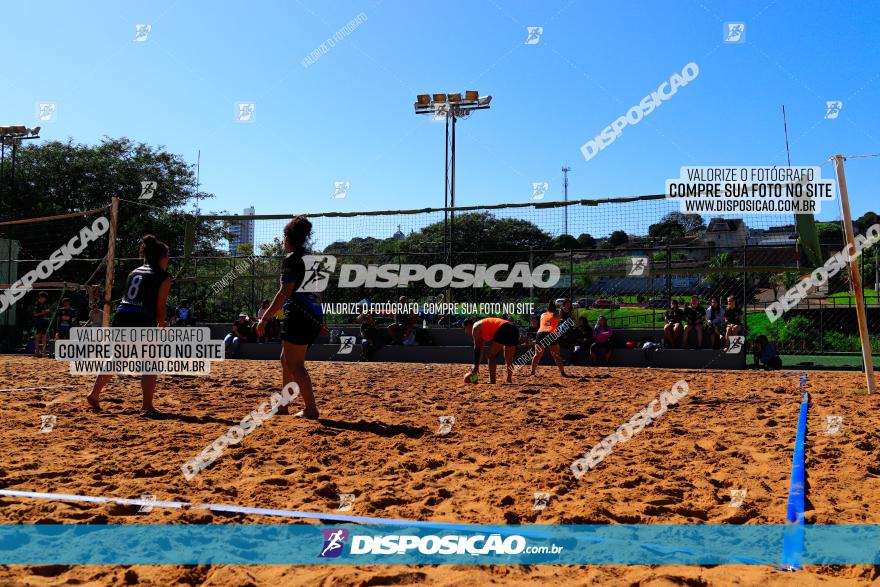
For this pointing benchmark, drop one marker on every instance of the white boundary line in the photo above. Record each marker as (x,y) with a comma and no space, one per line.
(230,509)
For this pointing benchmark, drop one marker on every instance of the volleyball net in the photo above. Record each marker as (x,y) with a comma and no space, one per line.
(596,244)
(63,254)
(625,258)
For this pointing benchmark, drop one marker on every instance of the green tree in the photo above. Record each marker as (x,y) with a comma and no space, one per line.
(471,232)
(565,242)
(830,233)
(61,177)
(866,220)
(617,238)
(586,241)
(690,223)
(666,230)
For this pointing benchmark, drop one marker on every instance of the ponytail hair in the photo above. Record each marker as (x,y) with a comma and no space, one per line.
(297,232)
(153,250)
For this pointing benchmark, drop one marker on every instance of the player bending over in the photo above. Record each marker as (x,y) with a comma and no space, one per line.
(502,335)
(143,306)
(549,324)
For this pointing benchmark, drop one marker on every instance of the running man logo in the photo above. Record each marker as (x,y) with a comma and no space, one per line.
(46,111)
(148,189)
(540,189)
(832,109)
(542,499)
(340,189)
(318,271)
(245,112)
(833,424)
(346,502)
(334,541)
(736,497)
(446,424)
(734,32)
(441,111)
(638,266)
(47,423)
(149,501)
(346,345)
(142,32)
(736,345)
(534,35)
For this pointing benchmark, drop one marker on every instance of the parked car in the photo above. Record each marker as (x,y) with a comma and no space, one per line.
(605,305)
(656,303)
(585,302)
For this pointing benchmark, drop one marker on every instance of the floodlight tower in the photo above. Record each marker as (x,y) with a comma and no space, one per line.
(450,107)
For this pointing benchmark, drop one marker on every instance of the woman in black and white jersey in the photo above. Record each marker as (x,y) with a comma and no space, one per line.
(143,306)
(303,315)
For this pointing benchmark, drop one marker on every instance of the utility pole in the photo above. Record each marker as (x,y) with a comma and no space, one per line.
(565,170)
(854,275)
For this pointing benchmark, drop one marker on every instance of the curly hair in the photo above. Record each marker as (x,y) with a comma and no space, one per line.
(298,231)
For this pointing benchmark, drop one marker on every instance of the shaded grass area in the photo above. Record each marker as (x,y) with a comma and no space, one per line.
(838,361)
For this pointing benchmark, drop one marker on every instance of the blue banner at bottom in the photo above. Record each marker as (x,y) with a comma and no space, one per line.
(306,544)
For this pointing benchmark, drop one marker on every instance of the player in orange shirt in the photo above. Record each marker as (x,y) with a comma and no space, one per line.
(548,328)
(502,334)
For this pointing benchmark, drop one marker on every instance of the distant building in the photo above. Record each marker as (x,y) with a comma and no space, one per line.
(399,234)
(726,233)
(775,235)
(242,232)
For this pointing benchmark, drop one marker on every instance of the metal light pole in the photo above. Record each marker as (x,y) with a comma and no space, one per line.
(451,107)
(565,170)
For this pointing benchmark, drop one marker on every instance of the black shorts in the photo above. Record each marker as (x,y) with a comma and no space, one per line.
(133,320)
(300,327)
(542,335)
(63,332)
(41,328)
(507,335)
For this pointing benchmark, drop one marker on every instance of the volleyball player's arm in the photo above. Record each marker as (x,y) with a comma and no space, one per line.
(161,300)
(477,333)
(284,292)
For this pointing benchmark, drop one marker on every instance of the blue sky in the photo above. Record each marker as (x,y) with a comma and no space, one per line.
(349,116)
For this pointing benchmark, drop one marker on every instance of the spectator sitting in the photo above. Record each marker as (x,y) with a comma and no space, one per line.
(602,335)
(765,352)
(184,314)
(583,338)
(371,336)
(695,314)
(715,318)
(402,327)
(672,330)
(732,320)
(241,329)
